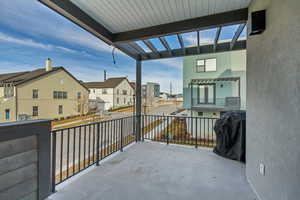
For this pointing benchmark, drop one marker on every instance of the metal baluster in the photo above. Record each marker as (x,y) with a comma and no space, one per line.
(68,146)
(53,160)
(97,150)
(61,153)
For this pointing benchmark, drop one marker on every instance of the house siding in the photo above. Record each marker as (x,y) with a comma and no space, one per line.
(229,64)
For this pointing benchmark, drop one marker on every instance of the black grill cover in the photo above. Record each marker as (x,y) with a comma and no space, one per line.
(230,130)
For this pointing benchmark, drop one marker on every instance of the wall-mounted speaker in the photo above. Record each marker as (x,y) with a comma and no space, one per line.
(258,22)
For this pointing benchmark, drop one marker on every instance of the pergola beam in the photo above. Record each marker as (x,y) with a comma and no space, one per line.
(180,40)
(205,22)
(149,44)
(205,49)
(138,49)
(79,17)
(198,42)
(217,38)
(166,45)
(237,35)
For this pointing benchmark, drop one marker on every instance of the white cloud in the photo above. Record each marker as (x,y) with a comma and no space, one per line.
(32,43)
(33,18)
(171,62)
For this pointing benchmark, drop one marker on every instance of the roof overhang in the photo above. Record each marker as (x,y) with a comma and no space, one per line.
(123,33)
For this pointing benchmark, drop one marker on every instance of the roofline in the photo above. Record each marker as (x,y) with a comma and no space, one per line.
(48,72)
(111,87)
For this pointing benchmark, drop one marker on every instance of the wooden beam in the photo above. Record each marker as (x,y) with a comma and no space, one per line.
(237,35)
(205,22)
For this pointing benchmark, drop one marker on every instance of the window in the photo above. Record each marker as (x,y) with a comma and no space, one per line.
(206,94)
(65,95)
(79,108)
(7,114)
(60,95)
(124,100)
(118,100)
(55,95)
(200,114)
(117,91)
(35,94)
(79,95)
(104,91)
(60,109)
(200,66)
(35,111)
(124,92)
(206,65)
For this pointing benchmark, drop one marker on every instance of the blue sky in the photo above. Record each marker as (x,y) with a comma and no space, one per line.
(31,32)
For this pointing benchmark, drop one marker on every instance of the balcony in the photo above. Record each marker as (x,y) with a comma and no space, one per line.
(218,104)
(105,160)
(151,170)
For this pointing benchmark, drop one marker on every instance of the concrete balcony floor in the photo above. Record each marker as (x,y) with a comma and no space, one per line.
(149,170)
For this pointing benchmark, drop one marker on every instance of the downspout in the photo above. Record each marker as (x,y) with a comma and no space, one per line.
(16,100)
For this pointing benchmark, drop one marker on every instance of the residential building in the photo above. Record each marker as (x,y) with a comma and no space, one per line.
(163,95)
(214,83)
(115,92)
(150,92)
(48,93)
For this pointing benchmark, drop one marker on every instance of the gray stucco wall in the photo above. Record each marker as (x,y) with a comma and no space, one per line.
(273,102)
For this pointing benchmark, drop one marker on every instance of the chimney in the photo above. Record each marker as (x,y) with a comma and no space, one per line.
(104,75)
(48,64)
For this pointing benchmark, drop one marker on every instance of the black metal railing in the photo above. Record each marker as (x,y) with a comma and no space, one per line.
(77,148)
(196,131)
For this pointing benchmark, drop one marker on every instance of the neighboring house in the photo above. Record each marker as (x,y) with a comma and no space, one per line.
(46,93)
(218,81)
(115,92)
(150,92)
(163,95)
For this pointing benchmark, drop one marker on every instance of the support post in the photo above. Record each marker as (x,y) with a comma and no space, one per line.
(138,96)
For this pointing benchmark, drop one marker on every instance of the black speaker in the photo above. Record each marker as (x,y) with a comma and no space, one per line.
(258,22)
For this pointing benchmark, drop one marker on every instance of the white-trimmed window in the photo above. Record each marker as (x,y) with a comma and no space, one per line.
(206,65)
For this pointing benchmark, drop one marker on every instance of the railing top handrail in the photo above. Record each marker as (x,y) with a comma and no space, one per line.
(181,116)
(92,123)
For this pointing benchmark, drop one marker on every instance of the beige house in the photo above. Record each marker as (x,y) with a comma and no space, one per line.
(115,92)
(46,93)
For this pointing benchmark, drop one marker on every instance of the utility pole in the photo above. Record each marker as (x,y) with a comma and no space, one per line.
(104,75)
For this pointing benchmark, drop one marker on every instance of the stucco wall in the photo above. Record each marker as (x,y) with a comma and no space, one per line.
(273,99)
(48,106)
(7,103)
(124,85)
(229,64)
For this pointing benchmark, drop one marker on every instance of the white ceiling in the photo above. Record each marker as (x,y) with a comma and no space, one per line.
(124,15)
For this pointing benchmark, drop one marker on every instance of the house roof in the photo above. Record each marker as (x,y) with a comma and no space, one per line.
(23,77)
(109,83)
